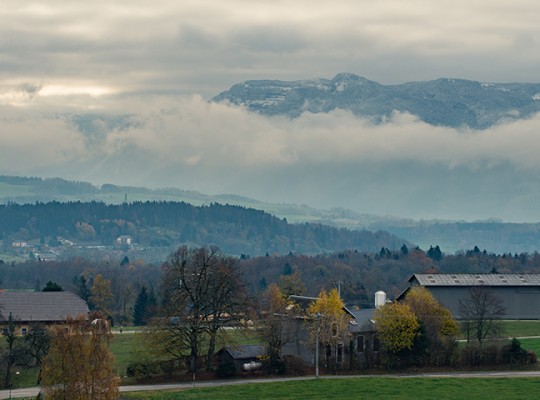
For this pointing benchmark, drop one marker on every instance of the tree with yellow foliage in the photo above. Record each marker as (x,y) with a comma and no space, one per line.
(397,326)
(333,325)
(437,326)
(79,365)
(437,319)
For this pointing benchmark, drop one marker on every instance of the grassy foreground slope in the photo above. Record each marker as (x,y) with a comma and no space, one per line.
(364,388)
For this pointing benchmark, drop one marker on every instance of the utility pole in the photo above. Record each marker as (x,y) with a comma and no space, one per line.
(317,345)
(317,317)
(339,283)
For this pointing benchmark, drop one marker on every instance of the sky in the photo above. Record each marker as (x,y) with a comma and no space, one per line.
(117,92)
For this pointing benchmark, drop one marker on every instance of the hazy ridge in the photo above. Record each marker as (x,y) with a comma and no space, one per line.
(451,236)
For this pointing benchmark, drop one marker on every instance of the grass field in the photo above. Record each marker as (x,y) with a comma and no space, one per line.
(363,388)
(531,344)
(521,328)
(122,345)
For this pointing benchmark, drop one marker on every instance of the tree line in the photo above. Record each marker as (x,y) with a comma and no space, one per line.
(357,274)
(235,229)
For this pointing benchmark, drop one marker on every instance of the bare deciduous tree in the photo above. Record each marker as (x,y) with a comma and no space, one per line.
(481,311)
(279,325)
(201,288)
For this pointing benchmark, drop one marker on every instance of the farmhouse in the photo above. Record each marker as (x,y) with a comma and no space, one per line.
(48,308)
(364,345)
(360,349)
(520,293)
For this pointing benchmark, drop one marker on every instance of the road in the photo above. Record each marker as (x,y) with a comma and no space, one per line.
(31,393)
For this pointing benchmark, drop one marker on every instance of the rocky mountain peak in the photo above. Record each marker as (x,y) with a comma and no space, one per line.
(456,103)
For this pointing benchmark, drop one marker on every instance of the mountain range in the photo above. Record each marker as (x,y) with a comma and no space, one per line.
(456,103)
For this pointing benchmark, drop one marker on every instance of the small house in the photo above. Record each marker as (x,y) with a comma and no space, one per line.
(364,342)
(244,357)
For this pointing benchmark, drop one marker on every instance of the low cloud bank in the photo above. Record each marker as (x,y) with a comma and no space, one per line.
(332,159)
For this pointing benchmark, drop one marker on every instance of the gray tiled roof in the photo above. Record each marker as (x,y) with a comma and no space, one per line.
(41,306)
(363,320)
(246,351)
(477,279)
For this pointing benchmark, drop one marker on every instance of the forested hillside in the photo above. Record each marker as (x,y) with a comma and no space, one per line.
(452,236)
(236,230)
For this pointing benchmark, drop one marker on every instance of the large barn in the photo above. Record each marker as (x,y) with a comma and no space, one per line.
(520,293)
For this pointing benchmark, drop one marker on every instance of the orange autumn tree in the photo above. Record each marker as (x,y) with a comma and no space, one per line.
(101,296)
(79,365)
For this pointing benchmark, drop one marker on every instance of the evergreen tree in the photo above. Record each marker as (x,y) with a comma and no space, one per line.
(404,249)
(52,287)
(263,284)
(287,269)
(81,289)
(435,253)
(140,307)
(152,304)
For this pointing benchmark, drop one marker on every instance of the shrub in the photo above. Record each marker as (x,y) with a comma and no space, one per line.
(513,353)
(473,355)
(142,370)
(294,365)
(275,368)
(226,370)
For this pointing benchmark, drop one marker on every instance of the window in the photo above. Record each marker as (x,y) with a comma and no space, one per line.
(360,344)
(376,344)
(24,331)
(4,331)
(340,353)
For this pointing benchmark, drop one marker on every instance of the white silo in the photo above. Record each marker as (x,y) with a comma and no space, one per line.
(380,299)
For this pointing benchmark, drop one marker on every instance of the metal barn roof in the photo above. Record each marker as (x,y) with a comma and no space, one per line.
(477,279)
(41,306)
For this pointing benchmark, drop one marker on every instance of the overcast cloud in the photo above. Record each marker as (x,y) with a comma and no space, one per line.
(152,66)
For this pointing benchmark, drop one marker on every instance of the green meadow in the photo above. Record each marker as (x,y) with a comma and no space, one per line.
(363,388)
(521,328)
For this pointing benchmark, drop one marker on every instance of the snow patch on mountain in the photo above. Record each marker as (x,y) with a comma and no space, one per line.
(456,103)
